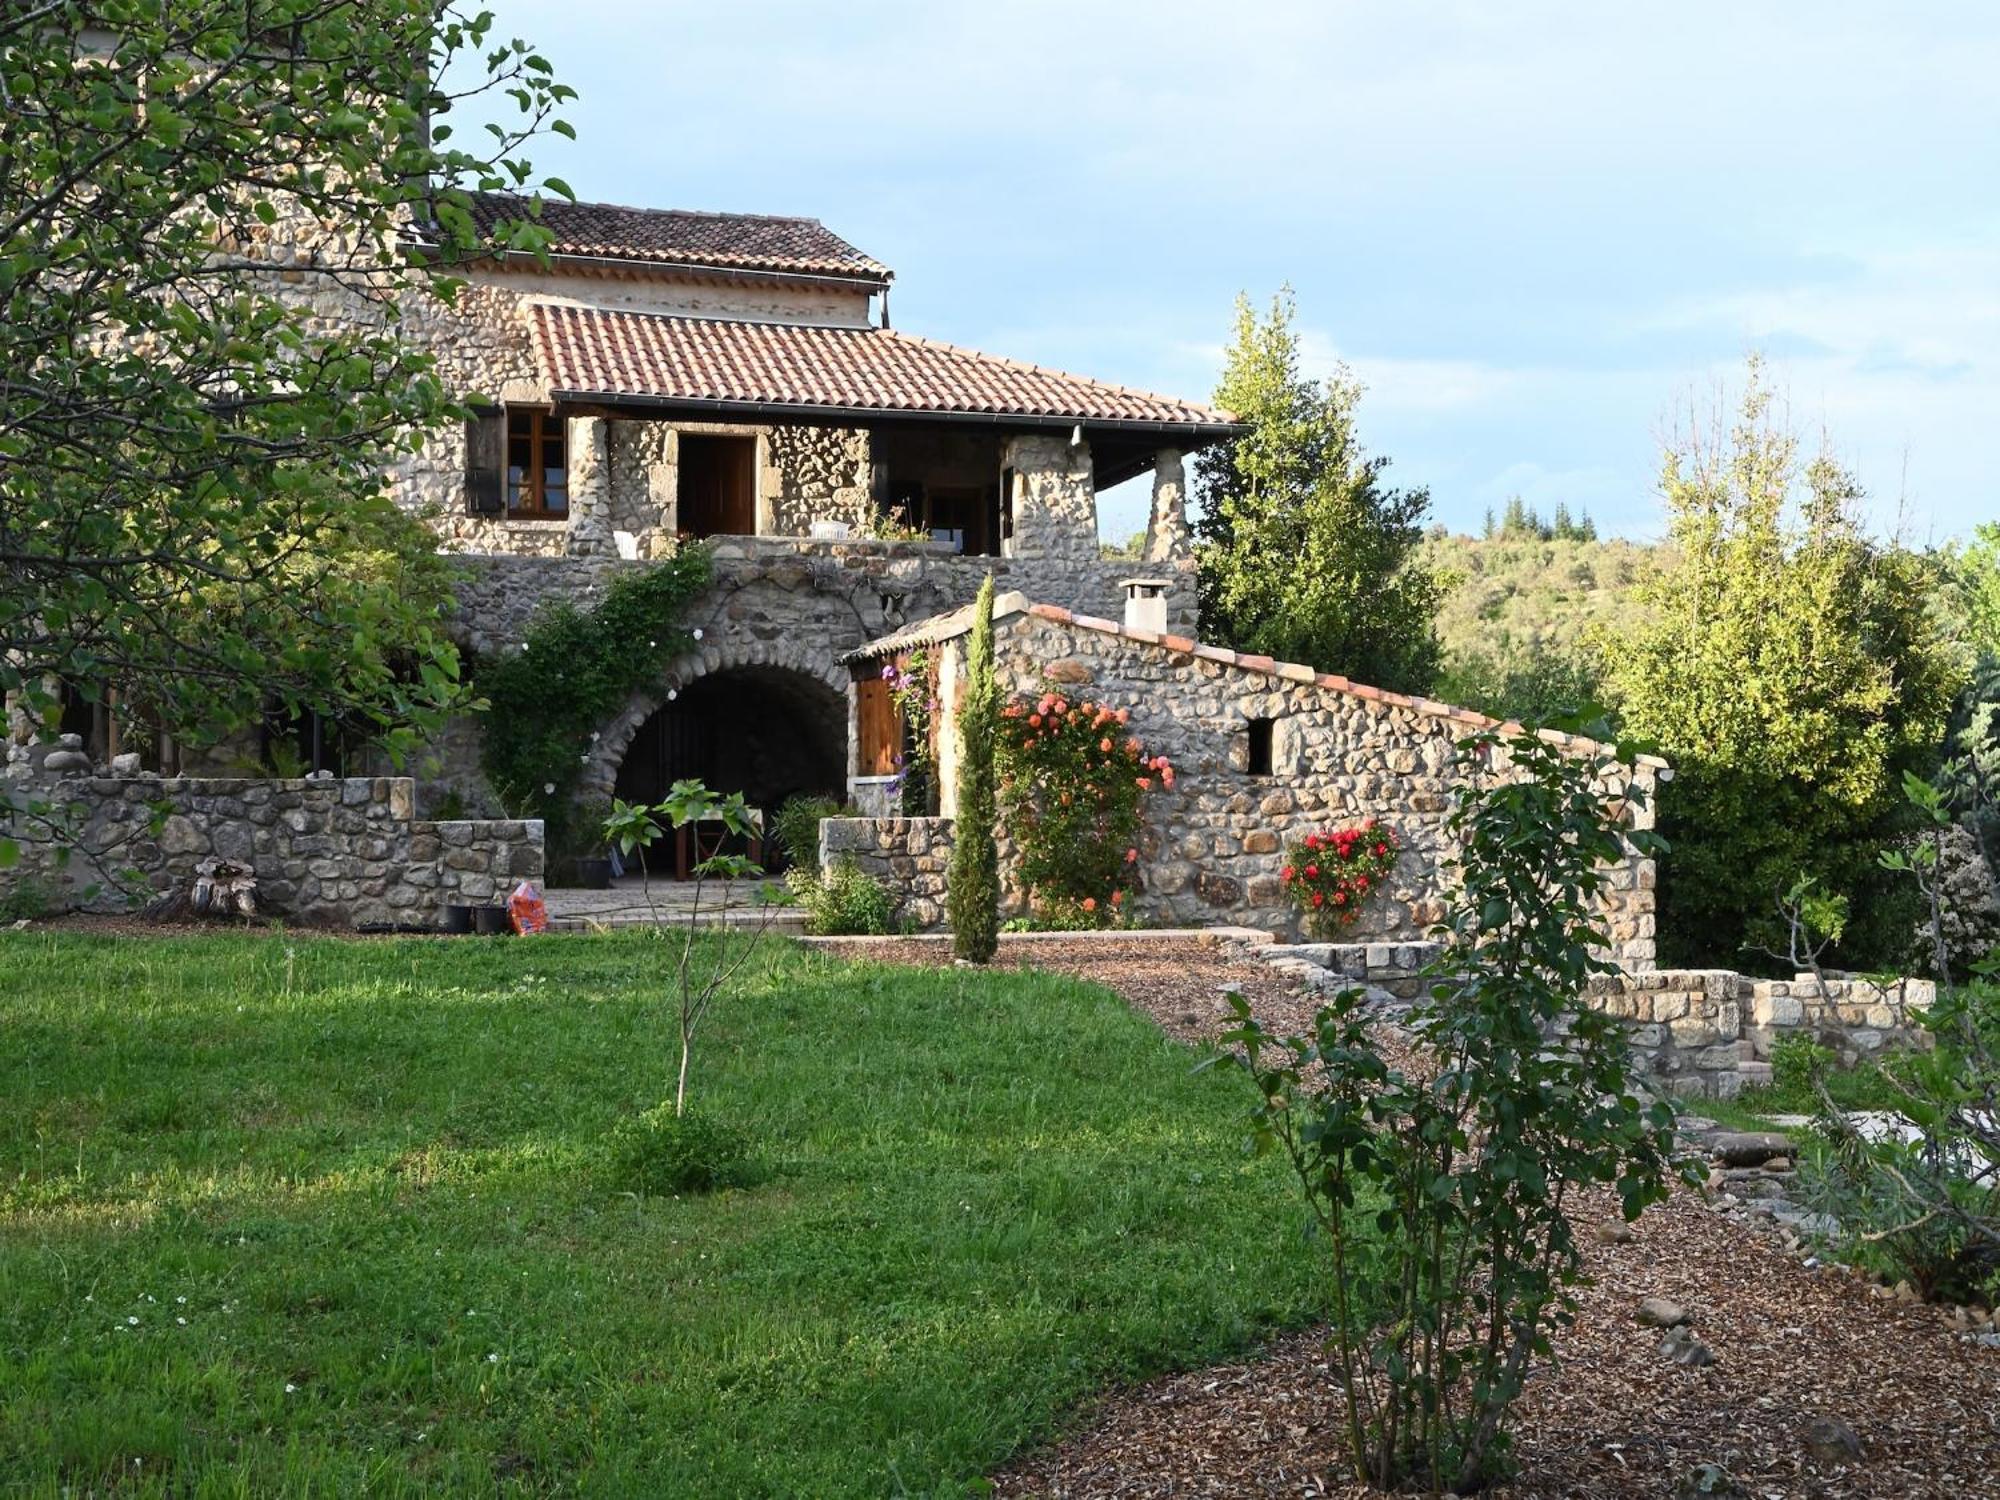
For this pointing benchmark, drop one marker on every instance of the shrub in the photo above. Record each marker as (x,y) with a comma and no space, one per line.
(1332,874)
(795,827)
(1926,1208)
(660,1153)
(25,900)
(973,877)
(707,963)
(1462,1183)
(1798,1063)
(843,901)
(913,689)
(1073,776)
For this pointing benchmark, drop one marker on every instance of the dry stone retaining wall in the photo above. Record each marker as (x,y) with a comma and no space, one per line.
(346,852)
(908,856)
(1698,1033)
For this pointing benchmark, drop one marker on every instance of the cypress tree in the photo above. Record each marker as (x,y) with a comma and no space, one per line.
(973,877)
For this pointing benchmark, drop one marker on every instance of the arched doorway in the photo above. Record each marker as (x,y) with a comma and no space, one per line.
(765,731)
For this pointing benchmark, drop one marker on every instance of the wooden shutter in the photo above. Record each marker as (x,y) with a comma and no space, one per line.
(485,461)
(878,726)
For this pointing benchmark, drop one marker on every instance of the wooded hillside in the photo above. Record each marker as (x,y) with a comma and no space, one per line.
(1520,613)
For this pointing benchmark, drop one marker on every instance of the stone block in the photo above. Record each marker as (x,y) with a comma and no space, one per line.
(180,836)
(1218,890)
(1692,1031)
(1772,1009)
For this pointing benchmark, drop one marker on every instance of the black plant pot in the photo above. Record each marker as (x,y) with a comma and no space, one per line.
(593,874)
(455,920)
(490,921)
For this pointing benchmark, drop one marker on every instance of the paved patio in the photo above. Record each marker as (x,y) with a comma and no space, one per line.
(669,903)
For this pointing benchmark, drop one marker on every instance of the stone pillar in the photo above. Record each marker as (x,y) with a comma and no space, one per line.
(663,496)
(589,447)
(1167,527)
(1054,498)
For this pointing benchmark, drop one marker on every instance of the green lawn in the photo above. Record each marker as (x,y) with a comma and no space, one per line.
(303,1216)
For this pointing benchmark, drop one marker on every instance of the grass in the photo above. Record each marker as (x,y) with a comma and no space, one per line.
(291,1216)
(1858,1088)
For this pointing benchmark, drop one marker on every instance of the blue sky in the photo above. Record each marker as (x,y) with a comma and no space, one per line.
(1534,231)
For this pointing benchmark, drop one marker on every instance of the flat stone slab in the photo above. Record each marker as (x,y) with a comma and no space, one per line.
(1748,1148)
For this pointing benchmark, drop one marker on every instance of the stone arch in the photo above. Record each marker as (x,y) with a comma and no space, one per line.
(714,657)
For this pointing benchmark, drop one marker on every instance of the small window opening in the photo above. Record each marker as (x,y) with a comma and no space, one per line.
(1260,747)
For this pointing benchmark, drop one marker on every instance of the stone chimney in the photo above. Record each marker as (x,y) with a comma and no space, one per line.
(1146,604)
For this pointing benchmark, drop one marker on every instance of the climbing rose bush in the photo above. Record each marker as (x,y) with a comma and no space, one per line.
(1072,780)
(1330,875)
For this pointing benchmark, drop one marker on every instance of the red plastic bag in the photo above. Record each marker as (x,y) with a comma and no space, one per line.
(527,911)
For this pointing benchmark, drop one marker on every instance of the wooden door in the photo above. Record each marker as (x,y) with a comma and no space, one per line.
(717,486)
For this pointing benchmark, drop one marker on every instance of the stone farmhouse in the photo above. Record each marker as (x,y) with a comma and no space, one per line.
(728,378)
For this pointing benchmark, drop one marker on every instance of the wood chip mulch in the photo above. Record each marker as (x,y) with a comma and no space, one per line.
(1612,1417)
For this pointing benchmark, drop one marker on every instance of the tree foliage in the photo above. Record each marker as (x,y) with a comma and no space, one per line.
(1521,520)
(1524,621)
(1792,671)
(192,458)
(1304,553)
(1970,776)
(973,875)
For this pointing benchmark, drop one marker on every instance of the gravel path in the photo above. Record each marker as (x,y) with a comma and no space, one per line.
(1613,1418)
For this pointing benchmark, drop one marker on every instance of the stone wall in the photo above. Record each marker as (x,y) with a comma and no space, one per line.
(1214,844)
(790,604)
(907,856)
(835,595)
(1054,500)
(817,474)
(348,853)
(1696,1033)
(1701,1033)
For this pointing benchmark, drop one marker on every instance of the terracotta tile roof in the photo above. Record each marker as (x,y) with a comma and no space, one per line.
(596,353)
(671,236)
(958,622)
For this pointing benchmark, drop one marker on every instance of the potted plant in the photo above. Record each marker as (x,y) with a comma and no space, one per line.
(589,862)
